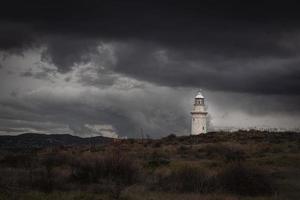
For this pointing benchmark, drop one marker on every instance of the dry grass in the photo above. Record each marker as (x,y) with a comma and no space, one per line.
(214,166)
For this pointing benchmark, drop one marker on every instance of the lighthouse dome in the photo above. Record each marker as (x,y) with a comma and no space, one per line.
(199,96)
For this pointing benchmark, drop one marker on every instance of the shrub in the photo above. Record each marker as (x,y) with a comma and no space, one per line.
(230,153)
(114,167)
(157,159)
(42,179)
(242,180)
(169,139)
(18,160)
(12,179)
(83,169)
(58,159)
(156,144)
(119,168)
(183,149)
(188,179)
(171,136)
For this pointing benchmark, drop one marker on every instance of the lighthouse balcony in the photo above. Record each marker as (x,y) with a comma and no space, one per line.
(198,112)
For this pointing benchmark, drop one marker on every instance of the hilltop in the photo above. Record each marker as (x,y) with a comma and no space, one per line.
(38,140)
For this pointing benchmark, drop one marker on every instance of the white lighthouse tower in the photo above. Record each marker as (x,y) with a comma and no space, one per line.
(199,116)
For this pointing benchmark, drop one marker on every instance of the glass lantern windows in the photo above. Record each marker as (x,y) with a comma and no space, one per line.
(199,101)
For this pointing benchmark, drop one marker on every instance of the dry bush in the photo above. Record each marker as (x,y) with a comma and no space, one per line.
(244,180)
(236,178)
(18,160)
(120,168)
(188,179)
(183,149)
(39,178)
(170,139)
(112,172)
(156,144)
(115,167)
(188,151)
(52,160)
(45,177)
(13,179)
(42,179)
(87,169)
(157,159)
(62,177)
(228,152)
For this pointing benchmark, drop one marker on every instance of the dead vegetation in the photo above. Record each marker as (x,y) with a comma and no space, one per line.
(251,165)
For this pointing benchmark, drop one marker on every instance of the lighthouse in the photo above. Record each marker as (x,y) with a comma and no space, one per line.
(199,115)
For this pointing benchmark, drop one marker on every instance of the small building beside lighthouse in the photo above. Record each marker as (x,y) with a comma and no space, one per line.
(199,116)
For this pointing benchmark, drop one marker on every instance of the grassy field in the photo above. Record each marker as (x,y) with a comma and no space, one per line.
(242,165)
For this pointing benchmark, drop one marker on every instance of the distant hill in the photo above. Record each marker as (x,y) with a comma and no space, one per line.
(37,140)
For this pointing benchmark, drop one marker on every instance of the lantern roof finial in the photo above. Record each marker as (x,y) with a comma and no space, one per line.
(199,95)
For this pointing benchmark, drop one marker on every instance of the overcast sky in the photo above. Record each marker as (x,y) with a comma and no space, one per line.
(125,67)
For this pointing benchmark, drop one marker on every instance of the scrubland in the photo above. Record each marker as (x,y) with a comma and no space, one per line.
(246,165)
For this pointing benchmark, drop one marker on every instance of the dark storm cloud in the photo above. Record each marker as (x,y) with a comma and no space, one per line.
(43,73)
(270,75)
(92,76)
(211,32)
(126,114)
(15,36)
(235,29)
(64,52)
(249,51)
